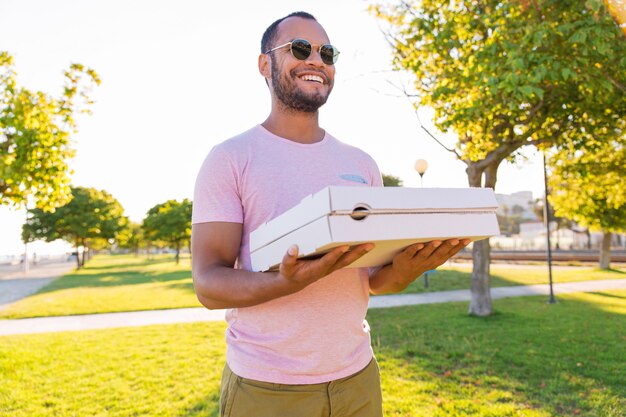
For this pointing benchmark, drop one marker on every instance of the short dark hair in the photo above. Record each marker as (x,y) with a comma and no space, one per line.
(269,37)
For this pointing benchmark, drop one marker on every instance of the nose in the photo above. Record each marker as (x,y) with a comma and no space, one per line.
(315,58)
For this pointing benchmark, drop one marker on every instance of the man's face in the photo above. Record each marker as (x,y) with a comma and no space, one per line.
(288,74)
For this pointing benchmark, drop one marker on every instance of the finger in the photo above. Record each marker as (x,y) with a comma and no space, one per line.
(457,249)
(428,249)
(327,261)
(446,247)
(290,259)
(445,251)
(353,255)
(413,249)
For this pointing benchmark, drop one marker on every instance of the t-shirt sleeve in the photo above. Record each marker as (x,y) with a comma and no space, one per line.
(216,194)
(376,177)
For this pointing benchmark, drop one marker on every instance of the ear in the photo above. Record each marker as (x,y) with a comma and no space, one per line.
(264,66)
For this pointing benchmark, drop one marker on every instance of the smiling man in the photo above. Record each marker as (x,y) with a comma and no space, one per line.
(297,340)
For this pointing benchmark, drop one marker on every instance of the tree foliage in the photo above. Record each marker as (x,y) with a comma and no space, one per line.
(90,214)
(505,75)
(588,187)
(391,181)
(169,222)
(35,136)
(131,237)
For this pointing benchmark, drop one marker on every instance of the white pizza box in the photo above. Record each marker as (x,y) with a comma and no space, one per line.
(391,217)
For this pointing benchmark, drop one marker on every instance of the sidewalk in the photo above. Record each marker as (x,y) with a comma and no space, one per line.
(187,315)
(16,284)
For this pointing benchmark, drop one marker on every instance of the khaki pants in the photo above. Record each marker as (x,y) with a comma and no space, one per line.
(357,395)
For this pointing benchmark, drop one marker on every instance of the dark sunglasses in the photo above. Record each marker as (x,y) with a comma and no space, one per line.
(301,49)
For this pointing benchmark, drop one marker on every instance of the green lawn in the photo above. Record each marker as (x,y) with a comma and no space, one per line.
(126,283)
(110,284)
(530,359)
(457,276)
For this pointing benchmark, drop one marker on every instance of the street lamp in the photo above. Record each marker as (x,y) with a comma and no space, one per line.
(421,166)
(546,217)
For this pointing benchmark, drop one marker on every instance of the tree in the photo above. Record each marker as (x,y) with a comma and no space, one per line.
(131,237)
(170,222)
(506,75)
(35,136)
(588,187)
(90,214)
(391,181)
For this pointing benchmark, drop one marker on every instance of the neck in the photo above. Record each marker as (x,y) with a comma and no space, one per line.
(293,125)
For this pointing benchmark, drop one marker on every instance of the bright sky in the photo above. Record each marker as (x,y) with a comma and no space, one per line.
(179,77)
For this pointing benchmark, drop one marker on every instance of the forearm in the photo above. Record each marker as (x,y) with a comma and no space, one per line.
(387,281)
(223,287)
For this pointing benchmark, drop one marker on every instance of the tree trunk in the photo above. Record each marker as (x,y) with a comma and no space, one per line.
(588,239)
(177,251)
(605,251)
(84,253)
(480,304)
(77,254)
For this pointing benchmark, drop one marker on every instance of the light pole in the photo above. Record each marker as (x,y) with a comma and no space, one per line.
(546,217)
(421,166)
(26,266)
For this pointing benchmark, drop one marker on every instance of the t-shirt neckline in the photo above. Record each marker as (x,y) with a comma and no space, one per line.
(281,139)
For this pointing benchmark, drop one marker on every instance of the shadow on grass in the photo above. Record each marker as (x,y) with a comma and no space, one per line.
(113,279)
(450,279)
(606,294)
(564,359)
(138,263)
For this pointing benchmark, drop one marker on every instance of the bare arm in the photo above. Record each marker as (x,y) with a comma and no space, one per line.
(214,248)
(409,264)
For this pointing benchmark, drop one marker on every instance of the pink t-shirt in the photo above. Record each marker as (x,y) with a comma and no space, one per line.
(318,334)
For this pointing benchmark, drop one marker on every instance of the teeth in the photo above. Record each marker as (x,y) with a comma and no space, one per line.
(316,78)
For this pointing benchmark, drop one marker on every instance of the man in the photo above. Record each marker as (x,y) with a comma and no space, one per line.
(298,343)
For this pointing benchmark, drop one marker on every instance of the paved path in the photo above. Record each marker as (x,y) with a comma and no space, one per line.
(16,284)
(186,315)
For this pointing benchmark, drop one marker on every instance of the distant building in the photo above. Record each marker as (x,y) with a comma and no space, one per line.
(520,203)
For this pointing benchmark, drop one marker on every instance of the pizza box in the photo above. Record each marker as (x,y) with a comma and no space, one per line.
(391,217)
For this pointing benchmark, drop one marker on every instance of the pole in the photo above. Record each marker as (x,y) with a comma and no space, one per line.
(26,249)
(546,217)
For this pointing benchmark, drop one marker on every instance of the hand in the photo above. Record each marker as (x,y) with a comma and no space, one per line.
(305,272)
(421,257)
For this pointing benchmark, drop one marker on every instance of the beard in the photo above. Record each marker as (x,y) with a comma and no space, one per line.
(293,98)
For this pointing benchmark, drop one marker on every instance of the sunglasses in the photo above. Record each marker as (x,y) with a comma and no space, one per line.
(301,49)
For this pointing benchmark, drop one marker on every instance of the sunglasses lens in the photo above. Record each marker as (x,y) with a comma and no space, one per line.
(301,49)
(329,54)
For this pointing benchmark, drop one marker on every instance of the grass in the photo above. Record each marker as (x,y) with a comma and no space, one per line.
(530,359)
(111,284)
(457,276)
(127,283)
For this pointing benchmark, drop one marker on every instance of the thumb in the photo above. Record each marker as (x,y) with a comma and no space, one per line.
(290,258)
